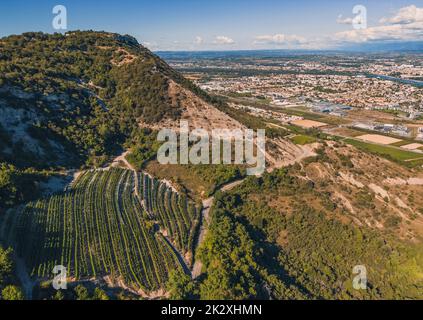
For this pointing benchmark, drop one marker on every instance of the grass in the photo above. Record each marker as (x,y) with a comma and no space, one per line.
(396,113)
(308,115)
(400,143)
(303,139)
(199,181)
(407,158)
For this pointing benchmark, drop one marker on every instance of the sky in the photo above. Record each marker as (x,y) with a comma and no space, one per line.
(227,24)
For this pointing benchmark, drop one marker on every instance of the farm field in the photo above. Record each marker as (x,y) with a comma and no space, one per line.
(413,146)
(303,139)
(377,138)
(115,223)
(308,124)
(404,157)
(309,115)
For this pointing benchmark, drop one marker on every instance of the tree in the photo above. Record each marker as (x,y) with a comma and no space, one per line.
(100,294)
(59,296)
(8,189)
(12,293)
(180,285)
(6,264)
(82,293)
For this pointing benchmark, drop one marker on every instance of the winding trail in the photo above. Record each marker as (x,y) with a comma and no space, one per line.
(122,158)
(21,271)
(205,217)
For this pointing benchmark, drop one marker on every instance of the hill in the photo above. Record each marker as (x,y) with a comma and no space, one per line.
(73,99)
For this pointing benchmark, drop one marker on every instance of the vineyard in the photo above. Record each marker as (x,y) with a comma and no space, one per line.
(113,222)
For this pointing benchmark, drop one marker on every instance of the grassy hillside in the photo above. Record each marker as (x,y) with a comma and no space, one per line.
(73,99)
(254,250)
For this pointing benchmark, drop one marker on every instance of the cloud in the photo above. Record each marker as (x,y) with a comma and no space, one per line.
(280,39)
(150,45)
(342,20)
(223,40)
(406,15)
(198,40)
(405,25)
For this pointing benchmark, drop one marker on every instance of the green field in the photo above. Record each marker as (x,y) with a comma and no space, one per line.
(308,115)
(408,158)
(303,139)
(101,227)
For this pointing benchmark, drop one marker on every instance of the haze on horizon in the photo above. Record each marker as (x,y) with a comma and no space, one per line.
(188,25)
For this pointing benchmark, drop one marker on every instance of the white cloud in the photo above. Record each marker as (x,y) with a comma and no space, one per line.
(405,25)
(150,45)
(198,40)
(406,15)
(223,40)
(342,20)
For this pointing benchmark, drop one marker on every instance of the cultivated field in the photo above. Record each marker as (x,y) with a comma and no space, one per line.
(115,223)
(405,157)
(412,146)
(377,138)
(308,124)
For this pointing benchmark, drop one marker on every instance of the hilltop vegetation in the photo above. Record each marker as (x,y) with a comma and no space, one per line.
(74,100)
(256,251)
(71,99)
(8,288)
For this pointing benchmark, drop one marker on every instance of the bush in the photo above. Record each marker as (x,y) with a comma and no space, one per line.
(12,293)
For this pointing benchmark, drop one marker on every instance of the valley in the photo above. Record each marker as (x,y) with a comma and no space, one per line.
(81,185)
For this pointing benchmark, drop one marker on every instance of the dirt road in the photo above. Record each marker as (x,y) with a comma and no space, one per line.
(205,217)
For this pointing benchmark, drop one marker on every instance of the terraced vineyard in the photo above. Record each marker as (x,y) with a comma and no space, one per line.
(110,222)
(175,214)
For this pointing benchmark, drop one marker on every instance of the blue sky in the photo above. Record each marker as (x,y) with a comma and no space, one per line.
(225,25)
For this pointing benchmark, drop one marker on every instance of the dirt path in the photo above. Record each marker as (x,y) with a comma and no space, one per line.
(21,270)
(205,217)
(26,282)
(3,219)
(122,159)
(181,259)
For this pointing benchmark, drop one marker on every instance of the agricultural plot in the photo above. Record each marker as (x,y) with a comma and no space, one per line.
(377,138)
(175,214)
(308,124)
(109,223)
(412,146)
(405,157)
(303,139)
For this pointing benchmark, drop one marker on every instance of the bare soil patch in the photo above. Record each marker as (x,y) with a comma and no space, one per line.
(308,124)
(377,138)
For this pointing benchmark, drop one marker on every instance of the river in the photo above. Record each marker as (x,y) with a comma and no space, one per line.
(415,83)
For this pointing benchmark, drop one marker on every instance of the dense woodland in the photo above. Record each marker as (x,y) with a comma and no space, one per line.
(79,93)
(255,251)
